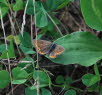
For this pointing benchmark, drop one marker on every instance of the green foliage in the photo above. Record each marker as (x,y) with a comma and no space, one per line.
(29,91)
(19,75)
(10,53)
(92,13)
(60,80)
(4,11)
(68,80)
(42,8)
(94,87)
(96,71)
(2,48)
(90,79)
(81,48)
(70,92)
(4,79)
(78,48)
(101,91)
(3,7)
(16,39)
(64,4)
(27,50)
(26,45)
(51,5)
(26,40)
(29,66)
(19,5)
(42,77)
(44,91)
(41,18)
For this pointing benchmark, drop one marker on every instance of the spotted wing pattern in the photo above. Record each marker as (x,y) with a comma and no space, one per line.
(42,46)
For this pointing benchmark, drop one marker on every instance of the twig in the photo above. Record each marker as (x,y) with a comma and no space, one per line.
(6,47)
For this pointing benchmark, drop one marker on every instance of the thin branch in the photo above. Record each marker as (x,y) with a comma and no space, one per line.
(6,48)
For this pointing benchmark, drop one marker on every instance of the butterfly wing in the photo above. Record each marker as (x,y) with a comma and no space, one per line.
(57,51)
(42,46)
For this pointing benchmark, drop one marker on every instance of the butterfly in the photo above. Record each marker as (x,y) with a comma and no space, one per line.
(46,47)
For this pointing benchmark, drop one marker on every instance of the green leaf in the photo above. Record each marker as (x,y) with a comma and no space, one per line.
(30,7)
(2,48)
(41,18)
(101,90)
(27,50)
(90,79)
(70,92)
(19,75)
(64,4)
(68,80)
(82,48)
(60,79)
(50,31)
(17,40)
(19,81)
(45,92)
(4,2)
(11,53)
(51,5)
(96,70)
(93,13)
(4,79)
(26,44)
(29,66)
(41,76)
(10,37)
(28,91)
(18,6)
(94,87)
(26,40)
(4,11)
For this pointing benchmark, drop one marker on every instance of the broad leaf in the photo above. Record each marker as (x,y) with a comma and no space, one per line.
(82,48)
(92,12)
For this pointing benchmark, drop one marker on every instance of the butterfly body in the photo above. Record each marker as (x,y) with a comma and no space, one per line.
(52,47)
(46,47)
